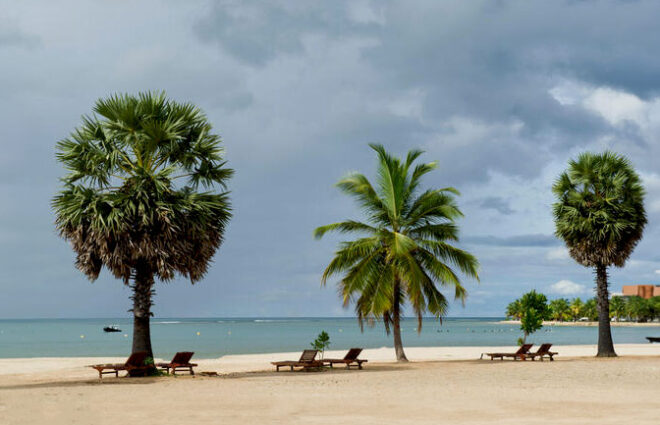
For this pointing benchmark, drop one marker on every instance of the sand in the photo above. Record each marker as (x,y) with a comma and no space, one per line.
(441,385)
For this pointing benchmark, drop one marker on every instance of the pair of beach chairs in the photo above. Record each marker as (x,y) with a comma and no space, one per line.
(523,353)
(308,360)
(135,365)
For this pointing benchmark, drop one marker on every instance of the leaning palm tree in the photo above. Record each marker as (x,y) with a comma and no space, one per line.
(131,200)
(405,249)
(600,216)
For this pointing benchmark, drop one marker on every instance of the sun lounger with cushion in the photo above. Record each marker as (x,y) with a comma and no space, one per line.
(350,358)
(544,350)
(180,361)
(307,361)
(520,354)
(134,364)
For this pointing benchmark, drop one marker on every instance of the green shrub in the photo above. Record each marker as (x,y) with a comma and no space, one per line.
(321,342)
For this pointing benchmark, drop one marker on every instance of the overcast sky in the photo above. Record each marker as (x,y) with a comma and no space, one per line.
(501,93)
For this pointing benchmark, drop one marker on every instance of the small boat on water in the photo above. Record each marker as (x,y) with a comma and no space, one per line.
(112,328)
(653,338)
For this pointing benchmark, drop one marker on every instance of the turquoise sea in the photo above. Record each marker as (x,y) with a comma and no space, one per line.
(215,337)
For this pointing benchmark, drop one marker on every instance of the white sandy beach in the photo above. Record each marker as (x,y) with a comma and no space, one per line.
(74,367)
(441,385)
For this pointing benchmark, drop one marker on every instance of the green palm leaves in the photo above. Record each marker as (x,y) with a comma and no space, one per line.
(599,211)
(600,215)
(403,247)
(131,190)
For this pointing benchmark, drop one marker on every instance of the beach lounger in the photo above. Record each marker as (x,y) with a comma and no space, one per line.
(180,361)
(307,361)
(350,358)
(520,354)
(135,363)
(544,350)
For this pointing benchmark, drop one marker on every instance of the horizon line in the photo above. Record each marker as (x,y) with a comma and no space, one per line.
(243,317)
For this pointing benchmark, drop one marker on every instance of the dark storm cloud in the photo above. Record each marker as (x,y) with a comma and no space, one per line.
(491,62)
(297,89)
(258,32)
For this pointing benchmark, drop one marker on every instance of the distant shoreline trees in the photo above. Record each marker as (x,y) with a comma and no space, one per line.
(622,309)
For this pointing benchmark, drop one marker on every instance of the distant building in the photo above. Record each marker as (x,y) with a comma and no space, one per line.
(644,291)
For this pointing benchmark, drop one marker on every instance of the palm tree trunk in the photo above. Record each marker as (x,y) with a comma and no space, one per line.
(605,344)
(142,292)
(396,316)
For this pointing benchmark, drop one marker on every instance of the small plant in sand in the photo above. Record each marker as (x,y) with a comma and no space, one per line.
(321,342)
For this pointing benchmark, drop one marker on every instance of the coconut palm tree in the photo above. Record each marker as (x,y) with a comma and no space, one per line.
(405,249)
(514,310)
(560,309)
(617,308)
(600,215)
(131,200)
(639,309)
(576,308)
(590,309)
(654,305)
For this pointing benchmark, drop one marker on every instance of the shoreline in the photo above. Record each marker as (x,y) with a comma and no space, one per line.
(595,323)
(76,367)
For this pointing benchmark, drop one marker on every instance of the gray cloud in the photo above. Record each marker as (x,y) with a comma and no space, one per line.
(498,204)
(259,32)
(535,240)
(296,90)
(12,36)
(489,65)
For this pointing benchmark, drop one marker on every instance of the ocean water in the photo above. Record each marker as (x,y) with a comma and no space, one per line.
(215,337)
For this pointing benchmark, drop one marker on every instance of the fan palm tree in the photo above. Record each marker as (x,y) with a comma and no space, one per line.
(600,215)
(405,248)
(131,200)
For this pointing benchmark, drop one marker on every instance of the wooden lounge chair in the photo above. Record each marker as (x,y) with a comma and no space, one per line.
(520,354)
(350,358)
(544,350)
(180,361)
(134,364)
(307,361)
